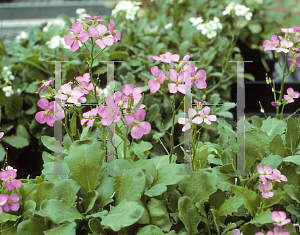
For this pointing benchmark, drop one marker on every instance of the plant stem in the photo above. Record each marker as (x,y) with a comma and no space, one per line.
(292,114)
(172,131)
(281,88)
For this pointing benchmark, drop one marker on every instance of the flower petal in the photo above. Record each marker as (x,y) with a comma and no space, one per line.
(139,114)
(129,119)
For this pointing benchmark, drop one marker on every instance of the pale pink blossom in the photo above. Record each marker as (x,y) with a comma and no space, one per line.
(79,35)
(265,189)
(205,117)
(167,58)
(187,122)
(284,46)
(291,95)
(271,45)
(265,172)
(279,218)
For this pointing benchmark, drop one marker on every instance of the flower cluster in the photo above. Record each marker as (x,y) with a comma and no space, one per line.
(9,202)
(279,218)
(238,10)
(209,28)
(289,98)
(129,7)
(57,41)
(7,75)
(94,30)
(265,174)
(286,44)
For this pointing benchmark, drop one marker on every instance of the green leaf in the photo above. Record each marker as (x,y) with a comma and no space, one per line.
(32,226)
(2,153)
(85,160)
(16,141)
(33,87)
(4,217)
(254,28)
(184,46)
(63,229)
(295,159)
(150,229)
(276,146)
(13,106)
(135,63)
(292,133)
(153,111)
(273,126)
(49,142)
(230,205)
(52,168)
(156,190)
(73,126)
(262,218)
(257,121)
(123,215)
(106,190)
(251,199)
(59,211)
(118,55)
(188,214)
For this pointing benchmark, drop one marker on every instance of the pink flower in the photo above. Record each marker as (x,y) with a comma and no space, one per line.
(173,88)
(139,128)
(297,50)
(154,83)
(134,93)
(284,46)
(291,94)
(9,178)
(236,232)
(277,176)
(199,78)
(294,61)
(280,218)
(79,34)
(109,116)
(296,29)
(8,168)
(167,58)
(45,84)
(84,79)
(98,33)
(288,30)
(99,91)
(47,115)
(9,202)
(271,45)
(185,59)
(72,96)
(120,98)
(114,33)
(265,172)
(1,135)
(277,232)
(95,19)
(204,116)
(259,233)
(275,104)
(188,121)
(265,189)
(88,117)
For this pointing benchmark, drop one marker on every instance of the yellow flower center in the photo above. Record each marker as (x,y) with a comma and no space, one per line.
(137,123)
(113,32)
(47,112)
(156,79)
(271,43)
(290,95)
(266,190)
(195,78)
(112,115)
(76,37)
(10,179)
(177,83)
(206,116)
(278,176)
(100,37)
(9,202)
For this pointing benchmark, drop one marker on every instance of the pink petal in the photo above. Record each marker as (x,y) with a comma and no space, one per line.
(77,27)
(139,114)
(155,58)
(127,89)
(129,119)
(155,71)
(182,120)
(197,120)
(111,26)
(101,29)
(108,41)
(146,127)
(100,43)
(69,40)
(74,46)
(172,87)
(136,132)
(15,206)
(50,119)
(93,32)
(83,36)
(153,85)
(181,76)
(161,77)
(268,169)
(192,112)
(206,110)
(187,127)
(212,117)
(173,75)
(207,121)
(43,103)
(182,88)
(290,90)
(40,117)
(200,84)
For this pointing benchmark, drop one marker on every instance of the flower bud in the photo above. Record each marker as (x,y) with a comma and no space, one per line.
(180,66)
(292,68)
(267,80)
(276,54)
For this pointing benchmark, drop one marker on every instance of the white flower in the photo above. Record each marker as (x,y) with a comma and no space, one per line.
(213,25)
(19,90)
(240,10)
(217,22)
(22,35)
(80,11)
(130,7)
(196,21)
(204,28)
(248,15)
(54,42)
(5,68)
(211,33)
(168,25)
(8,91)
(228,8)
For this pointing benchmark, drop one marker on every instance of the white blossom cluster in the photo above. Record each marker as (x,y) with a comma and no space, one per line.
(209,28)
(7,74)
(60,22)
(129,7)
(8,91)
(239,10)
(57,41)
(22,35)
(81,12)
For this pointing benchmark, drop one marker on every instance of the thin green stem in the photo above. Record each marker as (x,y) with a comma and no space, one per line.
(172,131)
(282,85)
(161,143)
(291,114)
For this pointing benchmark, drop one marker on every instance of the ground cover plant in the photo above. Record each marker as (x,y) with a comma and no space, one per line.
(153,194)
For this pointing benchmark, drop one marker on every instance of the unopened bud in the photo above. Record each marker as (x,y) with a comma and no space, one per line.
(292,68)
(267,79)
(262,110)
(180,66)
(276,54)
